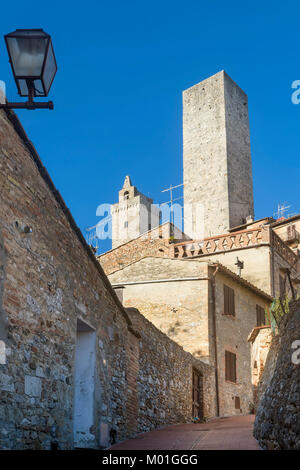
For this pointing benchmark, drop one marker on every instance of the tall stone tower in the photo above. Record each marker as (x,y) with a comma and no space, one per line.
(133,215)
(216,157)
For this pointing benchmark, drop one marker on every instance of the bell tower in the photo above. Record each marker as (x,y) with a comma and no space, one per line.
(133,215)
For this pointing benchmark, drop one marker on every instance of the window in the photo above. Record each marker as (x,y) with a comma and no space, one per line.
(126,195)
(237,403)
(126,224)
(229,307)
(230,366)
(260,316)
(291,232)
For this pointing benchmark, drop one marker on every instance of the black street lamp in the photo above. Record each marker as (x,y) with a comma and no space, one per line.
(33,64)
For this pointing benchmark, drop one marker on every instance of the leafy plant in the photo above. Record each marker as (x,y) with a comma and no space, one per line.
(280,308)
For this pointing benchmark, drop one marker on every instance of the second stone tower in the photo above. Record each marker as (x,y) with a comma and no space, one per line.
(216,157)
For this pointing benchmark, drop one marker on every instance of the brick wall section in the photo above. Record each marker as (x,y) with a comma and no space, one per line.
(165,378)
(148,244)
(131,252)
(278,414)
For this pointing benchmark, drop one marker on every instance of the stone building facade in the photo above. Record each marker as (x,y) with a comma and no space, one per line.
(185,300)
(70,354)
(260,338)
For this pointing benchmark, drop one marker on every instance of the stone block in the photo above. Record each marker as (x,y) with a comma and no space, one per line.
(6,383)
(33,386)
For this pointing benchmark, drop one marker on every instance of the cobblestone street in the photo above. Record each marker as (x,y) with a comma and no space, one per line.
(233,433)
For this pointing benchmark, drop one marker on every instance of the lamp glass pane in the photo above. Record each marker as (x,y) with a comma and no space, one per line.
(27,55)
(38,88)
(23,87)
(50,68)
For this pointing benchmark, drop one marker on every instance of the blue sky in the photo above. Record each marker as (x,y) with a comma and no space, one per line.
(121,69)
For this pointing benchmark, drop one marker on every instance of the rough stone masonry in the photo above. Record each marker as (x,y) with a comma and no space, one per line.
(216,155)
(277,424)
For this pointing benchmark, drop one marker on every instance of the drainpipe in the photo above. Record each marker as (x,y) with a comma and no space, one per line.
(213,286)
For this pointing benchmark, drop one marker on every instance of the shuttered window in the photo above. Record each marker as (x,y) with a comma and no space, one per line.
(229,307)
(237,403)
(230,366)
(260,316)
(291,232)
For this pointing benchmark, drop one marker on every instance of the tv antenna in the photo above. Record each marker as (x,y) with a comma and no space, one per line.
(281,210)
(92,238)
(171,188)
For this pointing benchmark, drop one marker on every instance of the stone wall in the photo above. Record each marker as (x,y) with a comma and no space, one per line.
(3,319)
(48,280)
(164,378)
(278,415)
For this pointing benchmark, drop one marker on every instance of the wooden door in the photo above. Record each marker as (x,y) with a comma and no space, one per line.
(197,395)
